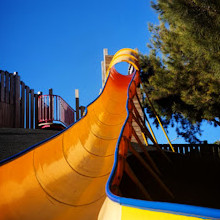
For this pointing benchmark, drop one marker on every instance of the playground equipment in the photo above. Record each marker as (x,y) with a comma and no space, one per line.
(54,112)
(70,175)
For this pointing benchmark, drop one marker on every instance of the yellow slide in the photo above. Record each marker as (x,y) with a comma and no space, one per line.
(75,174)
(65,177)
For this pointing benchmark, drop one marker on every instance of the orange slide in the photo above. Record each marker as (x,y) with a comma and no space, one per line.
(65,176)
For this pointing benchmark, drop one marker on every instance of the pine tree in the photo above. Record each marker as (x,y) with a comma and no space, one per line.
(182,72)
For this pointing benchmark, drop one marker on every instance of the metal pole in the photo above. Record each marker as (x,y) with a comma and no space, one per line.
(51,105)
(77,103)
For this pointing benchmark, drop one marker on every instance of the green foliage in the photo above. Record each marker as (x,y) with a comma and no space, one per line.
(182,72)
(217,142)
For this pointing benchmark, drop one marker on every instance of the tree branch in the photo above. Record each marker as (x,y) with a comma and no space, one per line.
(217,122)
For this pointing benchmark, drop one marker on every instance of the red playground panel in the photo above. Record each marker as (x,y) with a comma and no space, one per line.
(54,112)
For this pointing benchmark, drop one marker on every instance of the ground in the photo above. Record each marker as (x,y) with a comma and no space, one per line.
(15,140)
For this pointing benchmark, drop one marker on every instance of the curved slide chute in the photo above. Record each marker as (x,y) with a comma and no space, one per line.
(65,176)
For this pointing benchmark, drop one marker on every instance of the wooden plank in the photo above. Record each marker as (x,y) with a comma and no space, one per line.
(22,103)
(36,110)
(107,60)
(1,115)
(6,87)
(176,149)
(11,97)
(181,149)
(27,107)
(2,87)
(6,115)
(186,150)
(82,109)
(32,108)
(196,149)
(137,182)
(17,101)
(6,110)
(150,160)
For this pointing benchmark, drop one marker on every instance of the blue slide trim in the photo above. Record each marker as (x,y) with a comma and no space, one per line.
(173,208)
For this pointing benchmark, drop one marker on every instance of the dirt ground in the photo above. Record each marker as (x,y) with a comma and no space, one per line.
(15,140)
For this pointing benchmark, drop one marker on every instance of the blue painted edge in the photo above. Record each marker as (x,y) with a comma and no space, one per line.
(13,157)
(172,208)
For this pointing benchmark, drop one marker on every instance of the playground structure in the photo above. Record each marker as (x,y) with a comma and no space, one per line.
(18,103)
(55,113)
(22,107)
(65,176)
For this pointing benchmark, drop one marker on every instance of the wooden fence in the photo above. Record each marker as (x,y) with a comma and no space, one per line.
(18,103)
(195,150)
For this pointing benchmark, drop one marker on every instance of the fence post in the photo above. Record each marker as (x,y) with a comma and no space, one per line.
(77,103)
(22,103)
(82,109)
(6,87)
(27,106)
(2,86)
(11,98)
(17,101)
(32,108)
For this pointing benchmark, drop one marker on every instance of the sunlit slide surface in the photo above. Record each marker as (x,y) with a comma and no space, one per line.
(72,175)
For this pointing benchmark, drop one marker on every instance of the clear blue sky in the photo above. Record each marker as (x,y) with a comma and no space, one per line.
(59,44)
